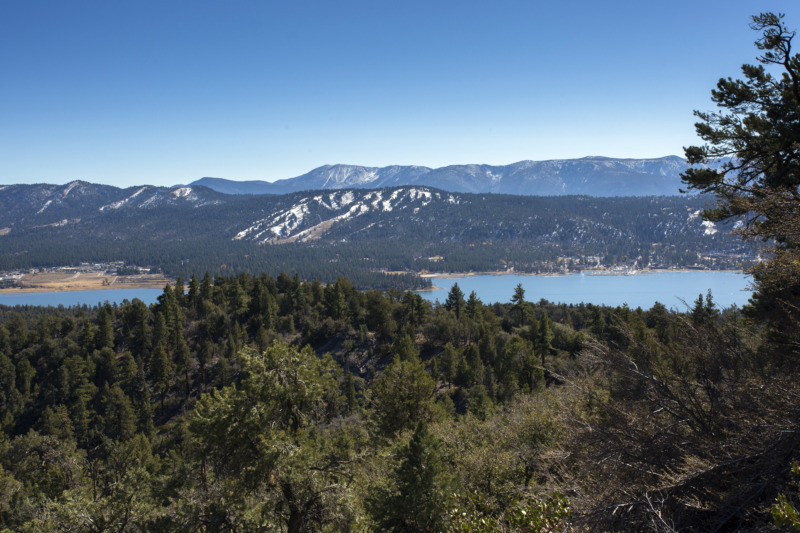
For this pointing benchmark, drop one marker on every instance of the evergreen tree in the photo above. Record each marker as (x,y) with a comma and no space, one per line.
(703,313)
(206,288)
(194,292)
(658,319)
(474,306)
(117,413)
(180,291)
(140,335)
(335,303)
(448,362)
(518,304)
(262,439)
(416,498)
(161,371)
(544,337)
(755,134)
(350,393)
(455,300)
(470,369)
(414,308)
(105,334)
(401,397)
(406,349)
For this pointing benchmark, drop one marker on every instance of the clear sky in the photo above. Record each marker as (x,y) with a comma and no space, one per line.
(166,92)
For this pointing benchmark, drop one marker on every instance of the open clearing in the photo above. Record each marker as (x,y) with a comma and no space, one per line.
(81,281)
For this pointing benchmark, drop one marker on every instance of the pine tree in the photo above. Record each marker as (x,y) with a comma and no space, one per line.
(448,363)
(544,337)
(474,306)
(416,497)
(161,371)
(518,304)
(105,334)
(455,300)
(350,393)
(194,292)
(118,415)
(406,349)
(402,396)
(755,135)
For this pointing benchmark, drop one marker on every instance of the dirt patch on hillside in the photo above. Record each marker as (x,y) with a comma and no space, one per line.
(81,281)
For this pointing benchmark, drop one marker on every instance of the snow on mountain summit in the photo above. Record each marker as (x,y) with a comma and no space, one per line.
(592,176)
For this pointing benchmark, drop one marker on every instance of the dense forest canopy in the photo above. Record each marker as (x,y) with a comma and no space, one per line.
(242,401)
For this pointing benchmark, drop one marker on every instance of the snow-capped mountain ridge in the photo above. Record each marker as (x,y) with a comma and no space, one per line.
(593,176)
(311,217)
(43,204)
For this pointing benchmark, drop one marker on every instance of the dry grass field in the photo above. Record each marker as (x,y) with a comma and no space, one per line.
(80,281)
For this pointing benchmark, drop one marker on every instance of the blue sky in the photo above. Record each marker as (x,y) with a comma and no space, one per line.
(163,93)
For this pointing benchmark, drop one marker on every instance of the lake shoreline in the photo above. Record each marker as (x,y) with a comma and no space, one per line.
(670,287)
(589,272)
(67,288)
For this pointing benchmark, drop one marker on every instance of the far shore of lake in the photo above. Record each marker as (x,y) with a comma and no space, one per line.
(589,271)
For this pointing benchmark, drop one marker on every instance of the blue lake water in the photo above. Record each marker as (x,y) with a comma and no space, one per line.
(640,290)
(72,298)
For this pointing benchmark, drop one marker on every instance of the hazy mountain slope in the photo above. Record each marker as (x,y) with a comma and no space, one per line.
(593,176)
(233,187)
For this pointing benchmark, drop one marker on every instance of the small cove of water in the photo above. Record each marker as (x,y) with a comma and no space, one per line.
(641,290)
(73,298)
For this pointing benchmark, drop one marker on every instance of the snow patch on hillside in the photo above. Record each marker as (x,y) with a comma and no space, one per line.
(117,205)
(182,192)
(710,227)
(149,201)
(69,188)
(45,206)
(310,218)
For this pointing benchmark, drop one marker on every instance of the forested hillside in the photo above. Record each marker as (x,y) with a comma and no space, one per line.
(357,233)
(260,403)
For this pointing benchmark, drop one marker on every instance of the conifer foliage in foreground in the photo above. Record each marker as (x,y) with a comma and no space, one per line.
(252,404)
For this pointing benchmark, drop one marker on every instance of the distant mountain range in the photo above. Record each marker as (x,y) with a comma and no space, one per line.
(48,205)
(334,216)
(592,176)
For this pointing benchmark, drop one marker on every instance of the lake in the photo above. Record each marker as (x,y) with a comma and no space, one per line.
(639,290)
(71,298)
